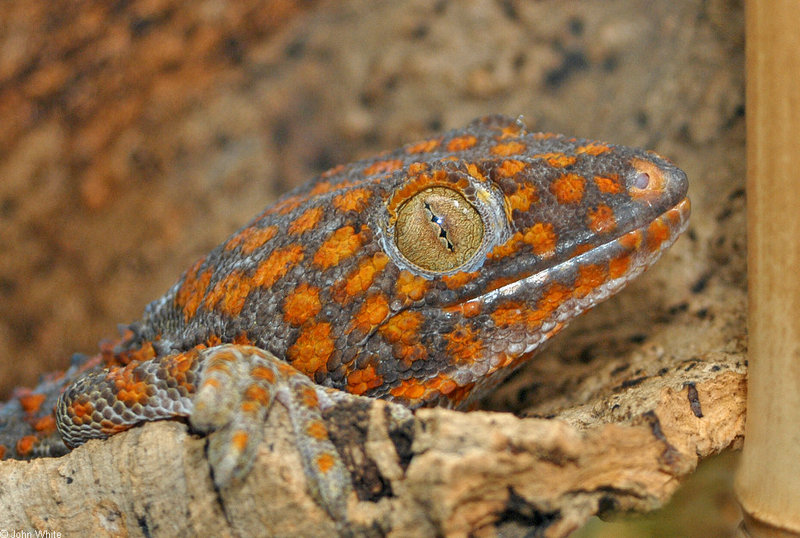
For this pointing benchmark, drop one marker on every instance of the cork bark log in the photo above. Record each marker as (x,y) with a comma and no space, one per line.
(439,473)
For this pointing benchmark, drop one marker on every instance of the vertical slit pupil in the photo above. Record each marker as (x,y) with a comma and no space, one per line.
(438,222)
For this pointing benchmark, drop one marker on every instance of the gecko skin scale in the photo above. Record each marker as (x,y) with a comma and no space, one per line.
(423,276)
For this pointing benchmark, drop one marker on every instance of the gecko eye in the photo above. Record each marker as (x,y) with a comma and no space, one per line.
(641,180)
(438,230)
(648,182)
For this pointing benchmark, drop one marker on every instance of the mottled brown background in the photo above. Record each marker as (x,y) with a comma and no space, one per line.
(135,136)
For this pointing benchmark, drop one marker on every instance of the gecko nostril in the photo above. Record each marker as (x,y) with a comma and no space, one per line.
(641,180)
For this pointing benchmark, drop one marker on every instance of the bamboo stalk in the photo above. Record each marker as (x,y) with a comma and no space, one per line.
(768,480)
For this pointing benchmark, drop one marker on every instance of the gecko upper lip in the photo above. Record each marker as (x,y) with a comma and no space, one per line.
(680,213)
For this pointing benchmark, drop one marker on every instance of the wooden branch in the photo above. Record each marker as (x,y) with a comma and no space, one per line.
(768,482)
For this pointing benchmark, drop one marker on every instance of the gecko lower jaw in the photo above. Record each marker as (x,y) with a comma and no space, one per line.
(643,246)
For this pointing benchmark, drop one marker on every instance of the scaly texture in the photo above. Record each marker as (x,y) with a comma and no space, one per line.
(423,276)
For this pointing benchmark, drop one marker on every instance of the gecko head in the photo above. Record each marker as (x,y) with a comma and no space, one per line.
(520,235)
(523,203)
(425,274)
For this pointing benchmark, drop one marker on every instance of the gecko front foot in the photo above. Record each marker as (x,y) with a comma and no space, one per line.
(226,392)
(236,390)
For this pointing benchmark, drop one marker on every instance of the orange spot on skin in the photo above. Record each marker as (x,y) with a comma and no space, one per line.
(601,219)
(469,309)
(286,206)
(581,249)
(552,298)
(510,168)
(258,395)
(81,412)
(458,280)
(301,304)
(266,374)
(568,189)
(3,451)
(455,393)
(325,462)
(144,352)
(190,294)
(609,184)
(25,445)
(310,398)
(130,388)
(631,240)
(617,267)
(410,287)
(508,148)
(509,248)
(239,441)
(31,402)
(312,349)
(213,340)
(360,381)
(408,389)
(179,365)
(402,328)
(212,383)
(222,361)
(291,203)
(352,200)
(498,283)
(360,279)
(447,386)
(371,314)
(461,143)
(590,277)
(473,170)
(514,313)
(230,293)
(277,265)
(542,238)
(251,238)
(242,339)
(464,344)
(307,221)
(341,244)
(593,148)
(317,430)
(523,198)
(510,131)
(423,147)
(555,330)
(332,171)
(320,188)
(557,160)
(383,167)
(417,168)
(657,233)
(45,425)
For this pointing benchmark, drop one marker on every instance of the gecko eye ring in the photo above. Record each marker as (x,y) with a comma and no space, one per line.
(443,223)
(438,230)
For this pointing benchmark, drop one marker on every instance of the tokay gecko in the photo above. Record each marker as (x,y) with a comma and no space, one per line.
(424,276)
